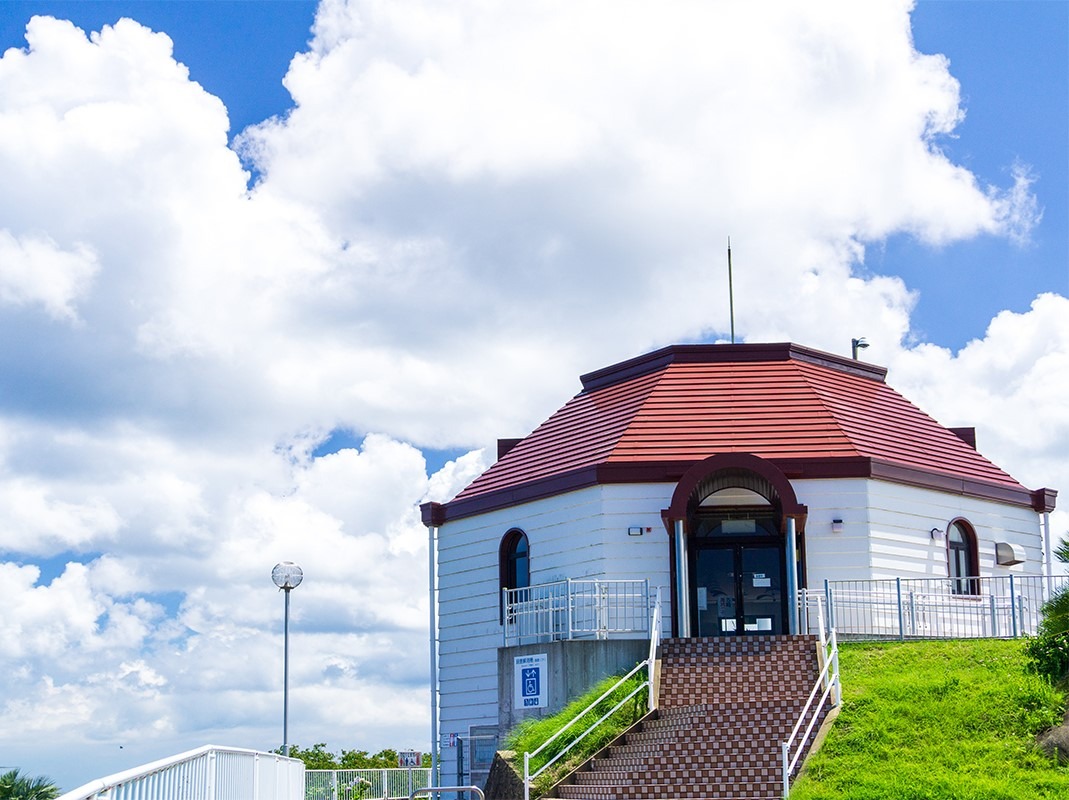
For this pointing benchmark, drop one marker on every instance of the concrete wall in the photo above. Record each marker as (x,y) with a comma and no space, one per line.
(573,667)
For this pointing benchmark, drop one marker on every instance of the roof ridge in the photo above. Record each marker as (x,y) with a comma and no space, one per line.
(726,353)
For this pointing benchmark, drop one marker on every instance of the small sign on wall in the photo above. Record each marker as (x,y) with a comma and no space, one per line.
(529,681)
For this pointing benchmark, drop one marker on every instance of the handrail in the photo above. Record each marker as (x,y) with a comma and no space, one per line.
(436,789)
(830,681)
(655,638)
(97,787)
(655,631)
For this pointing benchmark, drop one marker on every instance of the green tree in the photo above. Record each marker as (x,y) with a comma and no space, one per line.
(359,759)
(318,757)
(1049,651)
(315,757)
(20,787)
(1056,610)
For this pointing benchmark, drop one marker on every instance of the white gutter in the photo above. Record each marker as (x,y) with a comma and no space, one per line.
(1048,554)
(433,655)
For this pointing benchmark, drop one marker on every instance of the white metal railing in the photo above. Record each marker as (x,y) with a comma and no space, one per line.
(447,790)
(364,784)
(933,608)
(207,773)
(575,609)
(655,635)
(830,688)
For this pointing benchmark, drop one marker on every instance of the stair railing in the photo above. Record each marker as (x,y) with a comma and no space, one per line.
(655,635)
(832,689)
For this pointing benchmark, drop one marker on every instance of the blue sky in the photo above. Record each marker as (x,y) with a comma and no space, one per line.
(1016,109)
(249,322)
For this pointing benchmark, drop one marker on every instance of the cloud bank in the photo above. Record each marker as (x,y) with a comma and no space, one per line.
(466,208)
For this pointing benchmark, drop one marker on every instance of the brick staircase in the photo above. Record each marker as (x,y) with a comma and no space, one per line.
(726,706)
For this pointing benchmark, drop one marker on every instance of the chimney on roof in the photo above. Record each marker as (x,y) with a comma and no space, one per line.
(967,435)
(504,445)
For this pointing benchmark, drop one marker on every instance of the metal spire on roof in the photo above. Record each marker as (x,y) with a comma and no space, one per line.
(731,295)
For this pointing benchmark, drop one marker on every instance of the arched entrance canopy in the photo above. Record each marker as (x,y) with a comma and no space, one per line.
(734,572)
(696,482)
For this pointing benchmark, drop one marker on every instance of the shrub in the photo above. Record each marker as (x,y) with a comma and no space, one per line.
(1048,655)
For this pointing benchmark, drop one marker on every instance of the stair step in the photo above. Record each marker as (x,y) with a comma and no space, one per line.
(726,706)
(764,766)
(725,753)
(758,790)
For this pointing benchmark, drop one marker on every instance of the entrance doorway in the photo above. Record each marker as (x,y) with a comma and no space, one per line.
(738,589)
(737,548)
(737,565)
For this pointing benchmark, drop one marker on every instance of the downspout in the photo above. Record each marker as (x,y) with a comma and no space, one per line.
(431,530)
(1048,554)
(792,577)
(682,582)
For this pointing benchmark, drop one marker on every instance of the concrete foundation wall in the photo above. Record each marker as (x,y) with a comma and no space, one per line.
(573,667)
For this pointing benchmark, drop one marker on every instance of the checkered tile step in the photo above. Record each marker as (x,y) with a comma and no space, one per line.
(726,706)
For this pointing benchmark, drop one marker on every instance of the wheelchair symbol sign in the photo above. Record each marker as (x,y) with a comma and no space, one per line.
(532,677)
(529,683)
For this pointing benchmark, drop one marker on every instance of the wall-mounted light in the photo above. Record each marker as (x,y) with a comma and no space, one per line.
(936,533)
(636,531)
(836,526)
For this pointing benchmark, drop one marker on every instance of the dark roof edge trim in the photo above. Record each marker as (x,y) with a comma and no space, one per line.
(733,353)
(793,469)
(1044,499)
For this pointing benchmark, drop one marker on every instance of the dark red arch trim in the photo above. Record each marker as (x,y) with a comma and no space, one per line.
(713,464)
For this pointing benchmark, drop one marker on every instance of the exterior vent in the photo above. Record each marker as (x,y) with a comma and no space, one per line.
(1007,554)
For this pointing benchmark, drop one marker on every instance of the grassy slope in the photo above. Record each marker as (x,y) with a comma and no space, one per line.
(531,733)
(937,721)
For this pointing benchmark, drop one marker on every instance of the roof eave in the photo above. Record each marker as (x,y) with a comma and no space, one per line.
(794,468)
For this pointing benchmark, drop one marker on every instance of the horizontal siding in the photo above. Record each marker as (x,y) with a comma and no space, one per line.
(581,534)
(835,556)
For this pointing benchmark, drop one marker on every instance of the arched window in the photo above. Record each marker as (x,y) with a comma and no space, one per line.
(514,564)
(963,564)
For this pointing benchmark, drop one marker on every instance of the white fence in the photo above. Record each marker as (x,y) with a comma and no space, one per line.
(575,609)
(932,608)
(207,773)
(364,784)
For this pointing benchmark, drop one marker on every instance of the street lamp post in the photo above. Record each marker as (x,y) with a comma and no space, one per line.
(286,576)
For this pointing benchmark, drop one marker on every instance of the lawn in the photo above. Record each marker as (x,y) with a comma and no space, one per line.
(937,721)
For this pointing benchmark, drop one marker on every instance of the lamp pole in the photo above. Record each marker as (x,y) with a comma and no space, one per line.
(286,576)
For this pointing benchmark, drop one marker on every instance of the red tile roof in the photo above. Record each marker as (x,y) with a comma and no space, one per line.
(813,414)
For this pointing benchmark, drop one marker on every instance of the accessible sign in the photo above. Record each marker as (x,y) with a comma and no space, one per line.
(530,678)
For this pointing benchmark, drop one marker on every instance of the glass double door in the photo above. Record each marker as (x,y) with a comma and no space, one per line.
(737,589)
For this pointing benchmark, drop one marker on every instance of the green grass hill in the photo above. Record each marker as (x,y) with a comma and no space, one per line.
(951,720)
